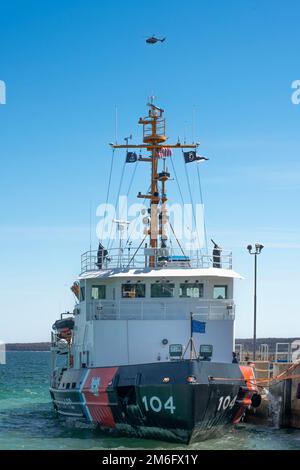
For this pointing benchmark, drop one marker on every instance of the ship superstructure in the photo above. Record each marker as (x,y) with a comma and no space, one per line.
(148,349)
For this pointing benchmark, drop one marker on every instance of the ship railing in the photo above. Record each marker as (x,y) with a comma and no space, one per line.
(136,309)
(134,258)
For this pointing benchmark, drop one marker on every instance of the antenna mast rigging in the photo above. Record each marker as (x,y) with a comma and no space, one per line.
(154,138)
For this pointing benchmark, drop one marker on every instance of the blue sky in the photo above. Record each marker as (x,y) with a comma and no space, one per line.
(66,66)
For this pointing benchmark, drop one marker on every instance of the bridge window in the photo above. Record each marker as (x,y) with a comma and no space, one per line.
(98,292)
(162,290)
(82,294)
(220,292)
(133,291)
(191,290)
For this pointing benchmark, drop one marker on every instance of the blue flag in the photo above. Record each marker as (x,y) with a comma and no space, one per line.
(198,326)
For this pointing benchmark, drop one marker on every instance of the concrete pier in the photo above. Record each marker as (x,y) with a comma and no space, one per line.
(294,420)
(280,406)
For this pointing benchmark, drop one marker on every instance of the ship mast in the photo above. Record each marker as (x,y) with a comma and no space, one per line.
(154,138)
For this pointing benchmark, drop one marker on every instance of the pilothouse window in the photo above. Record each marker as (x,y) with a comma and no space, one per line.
(98,292)
(162,290)
(133,291)
(220,292)
(191,290)
(82,294)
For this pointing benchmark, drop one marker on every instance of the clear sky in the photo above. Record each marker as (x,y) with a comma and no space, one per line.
(67,64)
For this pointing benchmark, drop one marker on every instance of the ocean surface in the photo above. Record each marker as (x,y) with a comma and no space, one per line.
(27,420)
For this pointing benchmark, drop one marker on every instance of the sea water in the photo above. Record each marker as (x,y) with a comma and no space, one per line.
(27,419)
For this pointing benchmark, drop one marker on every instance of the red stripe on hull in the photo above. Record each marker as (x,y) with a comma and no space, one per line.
(95,394)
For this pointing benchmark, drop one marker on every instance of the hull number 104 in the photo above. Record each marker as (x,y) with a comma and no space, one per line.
(155,404)
(225,402)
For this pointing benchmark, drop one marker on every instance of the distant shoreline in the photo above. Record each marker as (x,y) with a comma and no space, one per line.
(247,343)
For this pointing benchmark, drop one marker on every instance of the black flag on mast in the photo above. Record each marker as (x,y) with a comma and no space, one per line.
(191,156)
(131,157)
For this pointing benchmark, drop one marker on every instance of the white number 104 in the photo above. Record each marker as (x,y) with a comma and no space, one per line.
(225,402)
(155,404)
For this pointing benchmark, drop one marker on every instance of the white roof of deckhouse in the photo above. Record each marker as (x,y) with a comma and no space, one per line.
(161,273)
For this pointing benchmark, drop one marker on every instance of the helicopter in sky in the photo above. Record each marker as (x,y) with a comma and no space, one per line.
(153,39)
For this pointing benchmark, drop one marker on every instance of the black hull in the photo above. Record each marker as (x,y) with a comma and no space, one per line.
(181,401)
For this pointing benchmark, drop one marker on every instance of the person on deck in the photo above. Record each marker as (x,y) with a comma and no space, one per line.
(101,255)
(217,255)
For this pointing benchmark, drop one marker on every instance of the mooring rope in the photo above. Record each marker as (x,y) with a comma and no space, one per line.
(263,382)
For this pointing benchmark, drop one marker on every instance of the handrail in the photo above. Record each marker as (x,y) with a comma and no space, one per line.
(161,309)
(137,257)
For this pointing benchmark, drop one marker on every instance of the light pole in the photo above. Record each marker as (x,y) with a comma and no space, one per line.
(257,251)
